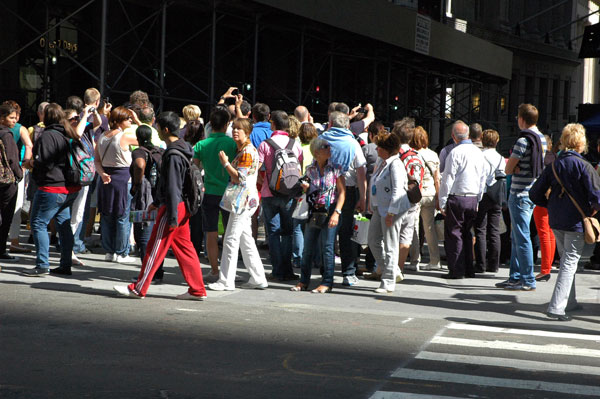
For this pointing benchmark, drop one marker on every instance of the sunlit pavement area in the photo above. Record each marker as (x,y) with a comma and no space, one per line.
(73,337)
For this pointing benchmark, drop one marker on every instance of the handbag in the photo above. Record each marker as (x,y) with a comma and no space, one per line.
(591,226)
(497,191)
(235,198)
(318,220)
(301,210)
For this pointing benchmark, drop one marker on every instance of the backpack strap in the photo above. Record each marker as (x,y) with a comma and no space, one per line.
(181,154)
(273,144)
(290,145)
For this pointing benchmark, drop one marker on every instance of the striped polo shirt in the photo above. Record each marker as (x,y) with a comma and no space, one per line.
(522,181)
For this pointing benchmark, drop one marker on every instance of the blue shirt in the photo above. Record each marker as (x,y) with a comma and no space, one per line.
(260,132)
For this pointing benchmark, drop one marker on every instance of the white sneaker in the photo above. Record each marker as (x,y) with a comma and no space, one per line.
(399,277)
(125,259)
(412,266)
(110,257)
(124,291)
(187,296)
(430,266)
(252,286)
(219,286)
(383,291)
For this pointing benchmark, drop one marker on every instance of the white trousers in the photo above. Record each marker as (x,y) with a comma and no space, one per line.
(15,227)
(238,236)
(570,246)
(78,208)
(383,241)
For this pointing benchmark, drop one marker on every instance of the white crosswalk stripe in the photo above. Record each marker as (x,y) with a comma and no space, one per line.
(465,357)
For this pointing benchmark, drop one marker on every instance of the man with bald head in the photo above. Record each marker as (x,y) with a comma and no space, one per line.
(461,189)
(302,114)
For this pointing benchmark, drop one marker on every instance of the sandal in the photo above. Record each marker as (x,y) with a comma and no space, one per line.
(322,289)
(299,287)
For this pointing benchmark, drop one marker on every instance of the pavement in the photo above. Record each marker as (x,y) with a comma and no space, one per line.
(73,337)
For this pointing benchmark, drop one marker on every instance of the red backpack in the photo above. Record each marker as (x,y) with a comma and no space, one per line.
(411,158)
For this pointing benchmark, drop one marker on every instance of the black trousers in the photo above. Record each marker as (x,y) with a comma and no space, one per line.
(487,235)
(8,201)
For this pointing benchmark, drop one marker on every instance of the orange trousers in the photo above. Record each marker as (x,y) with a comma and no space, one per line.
(546,236)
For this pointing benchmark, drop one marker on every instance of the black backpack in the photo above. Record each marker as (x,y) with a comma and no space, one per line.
(193,186)
(153,165)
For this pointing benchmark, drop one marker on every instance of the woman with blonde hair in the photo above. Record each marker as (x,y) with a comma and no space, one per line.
(574,193)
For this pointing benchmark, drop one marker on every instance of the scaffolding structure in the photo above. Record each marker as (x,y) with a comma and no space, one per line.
(184,52)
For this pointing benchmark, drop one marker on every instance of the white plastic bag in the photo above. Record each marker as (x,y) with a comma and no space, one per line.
(301,210)
(360,232)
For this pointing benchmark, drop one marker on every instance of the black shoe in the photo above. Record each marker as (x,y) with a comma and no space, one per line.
(61,271)
(470,275)
(30,239)
(542,277)
(290,277)
(84,252)
(479,270)
(6,257)
(559,317)
(591,266)
(451,276)
(506,283)
(35,272)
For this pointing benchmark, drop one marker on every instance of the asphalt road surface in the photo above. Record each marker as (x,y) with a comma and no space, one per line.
(72,337)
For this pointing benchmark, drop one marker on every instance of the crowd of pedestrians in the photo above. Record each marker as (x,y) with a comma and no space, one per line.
(162,182)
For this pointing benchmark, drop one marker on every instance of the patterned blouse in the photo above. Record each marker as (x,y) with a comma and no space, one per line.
(322,190)
(246,162)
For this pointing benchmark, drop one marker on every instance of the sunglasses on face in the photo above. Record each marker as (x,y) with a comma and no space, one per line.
(325,146)
(74,118)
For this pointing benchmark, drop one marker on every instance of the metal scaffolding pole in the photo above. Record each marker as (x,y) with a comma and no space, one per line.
(103,47)
(46,86)
(301,68)
(388,92)
(163,46)
(255,68)
(213,53)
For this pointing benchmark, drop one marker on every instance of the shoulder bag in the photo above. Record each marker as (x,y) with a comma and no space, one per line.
(591,226)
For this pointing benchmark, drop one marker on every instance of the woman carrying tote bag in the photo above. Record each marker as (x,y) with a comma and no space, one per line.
(574,188)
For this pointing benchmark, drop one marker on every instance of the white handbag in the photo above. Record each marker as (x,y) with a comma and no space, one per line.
(301,210)
(360,232)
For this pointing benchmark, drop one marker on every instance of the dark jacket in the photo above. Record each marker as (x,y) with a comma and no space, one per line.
(580,180)
(12,152)
(50,156)
(172,174)
(537,151)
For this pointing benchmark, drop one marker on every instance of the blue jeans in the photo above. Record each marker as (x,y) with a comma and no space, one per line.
(280,227)
(298,241)
(317,239)
(115,231)
(45,207)
(521,255)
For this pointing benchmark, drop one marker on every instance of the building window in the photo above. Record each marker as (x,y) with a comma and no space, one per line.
(555,99)
(567,100)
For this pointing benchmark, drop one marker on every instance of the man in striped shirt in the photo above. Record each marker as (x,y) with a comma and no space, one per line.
(525,165)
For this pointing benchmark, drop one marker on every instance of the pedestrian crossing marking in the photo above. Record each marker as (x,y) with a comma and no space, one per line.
(528,365)
(515,346)
(402,395)
(525,367)
(536,333)
(455,378)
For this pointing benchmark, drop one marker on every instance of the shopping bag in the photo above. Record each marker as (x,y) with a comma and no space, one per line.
(235,197)
(360,232)
(142,216)
(301,210)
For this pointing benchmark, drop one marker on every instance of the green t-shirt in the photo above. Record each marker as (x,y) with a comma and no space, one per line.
(207,151)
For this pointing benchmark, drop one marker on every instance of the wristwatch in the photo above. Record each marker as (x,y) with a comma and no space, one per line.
(339,212)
